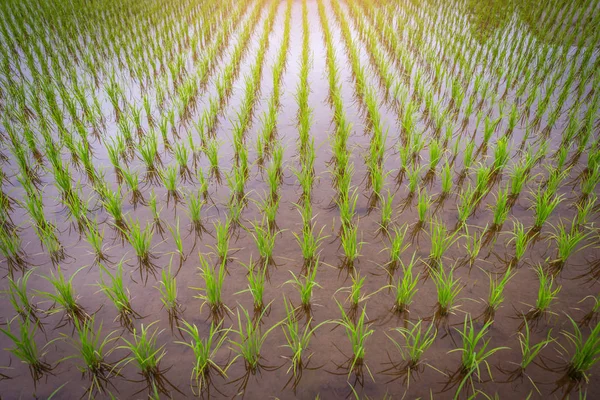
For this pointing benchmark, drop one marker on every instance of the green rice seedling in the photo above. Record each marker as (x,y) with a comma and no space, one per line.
(448,288)
(501,155)
(11,250)
(178,242)
(567,243)
(387,213)
(26,349)
(269,209)
(170,180)
(590,182)
(273,180)
(544,204)
(585,355)
(355,295)
(309,243)
(414,176)
(405,287)
(591,317)
(257,276)
(157,223)
(64,297)
(351,246)
(202,183)
(181,154)
(19,298)
(96,239)
(131,178)
(297,341)
(521,239)
(529,352)
(113,204)
(211,294)
(501,209)
(222,234)
(195,203)
(584,211)
(141,242)
(358,331)
(441,241)
(470,198)
(417,340)
(475,352)
(251,339)
(205,353)
(446,180)
(116,291)
(146,355)
(167,286)
(547,292)
(473,245)
(397,248)
(212,153)
(423,205)
(496,295)
(149,154)
(93,348)
(305,285)
(265,242)
(347,208)
(518,178)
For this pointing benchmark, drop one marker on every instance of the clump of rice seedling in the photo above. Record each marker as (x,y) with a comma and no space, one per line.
(167,286)
(547,292)
(178,242)
(113,204)
(269,208)
(423,205)
(496,295)
(448,289)
(475,352)
(355,295)
(441,241)
(147,355)
(205,352)
(265,242)
(521,239)
(251,341)
(119,295)
(544,205)
(305,285)
(222,234)
(585,355)
(132,180)
(397,248)
(169,177)
(141,241)
(351,246)
(10,247)
(529,352)
(212,153)
(257,276)
(19,298)
(96,239)
(473,245)
(64,297)
(417,340)
(297,341)
(309,242)
(406,287)
(501,210)
(591,317)
(195,203)
(387,213)
(358,331)
(566,245)
(26,349)
(92,350)
(157,223)
(211,294)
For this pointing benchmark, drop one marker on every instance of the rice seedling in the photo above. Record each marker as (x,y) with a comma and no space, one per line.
(141,242)
(358,331)
(264,238)
(567,243)
(350,245)
(297,341)
(222,235)
(521,240)
(544,205)
(93,348)
(25,349)
(397,248)
(405,287)
(305,285)
(251,339)
(20,299)
(441,241)
(448,288)
(529,353)
(211,293)
(118,294)
(416,341)
(475,352)
(584,356)
(257,276)
(167,286)
(205,351)
(195,202)
(64,297)
(547,293)
(496,295)
(309,242)
(146,355)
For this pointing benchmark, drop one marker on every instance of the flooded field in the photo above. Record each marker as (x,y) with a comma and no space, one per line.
(299,199)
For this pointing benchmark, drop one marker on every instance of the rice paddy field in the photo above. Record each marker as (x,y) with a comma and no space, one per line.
(358,199)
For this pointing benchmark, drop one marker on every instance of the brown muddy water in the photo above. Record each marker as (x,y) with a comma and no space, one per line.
(326,375)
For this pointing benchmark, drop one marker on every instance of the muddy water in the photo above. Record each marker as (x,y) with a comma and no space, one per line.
(329,347)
